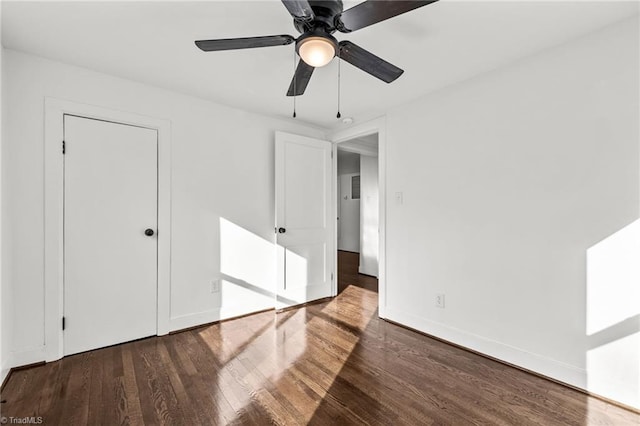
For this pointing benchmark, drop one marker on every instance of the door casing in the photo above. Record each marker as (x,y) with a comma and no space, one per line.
(378,126)
(55,109)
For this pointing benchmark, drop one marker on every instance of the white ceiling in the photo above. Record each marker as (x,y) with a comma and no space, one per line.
(437,45)
(365,145)
(348,157)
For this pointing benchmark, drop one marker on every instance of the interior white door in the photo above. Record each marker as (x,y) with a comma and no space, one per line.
(304,223)
(110,264)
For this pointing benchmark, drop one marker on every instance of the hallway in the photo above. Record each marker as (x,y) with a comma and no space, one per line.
(348,273)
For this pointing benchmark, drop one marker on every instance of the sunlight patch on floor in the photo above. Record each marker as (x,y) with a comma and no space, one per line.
(279,350)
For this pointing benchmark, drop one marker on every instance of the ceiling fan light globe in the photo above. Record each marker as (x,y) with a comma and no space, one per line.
(316,51)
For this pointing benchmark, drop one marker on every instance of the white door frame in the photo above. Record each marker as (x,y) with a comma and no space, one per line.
(379,126)
(55,109)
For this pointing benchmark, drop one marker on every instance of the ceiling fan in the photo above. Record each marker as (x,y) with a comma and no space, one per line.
(317,20)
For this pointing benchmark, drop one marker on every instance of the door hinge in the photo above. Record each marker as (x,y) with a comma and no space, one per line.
(331,154)
(332,276)
(64,147)
(63,323)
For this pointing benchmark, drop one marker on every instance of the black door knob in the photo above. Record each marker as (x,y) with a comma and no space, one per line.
(148,232)
(281,230)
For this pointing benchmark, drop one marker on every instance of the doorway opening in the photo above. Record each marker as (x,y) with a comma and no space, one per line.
(358,207)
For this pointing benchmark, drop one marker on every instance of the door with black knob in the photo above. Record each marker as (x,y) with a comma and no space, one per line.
(110,227)
(303,217)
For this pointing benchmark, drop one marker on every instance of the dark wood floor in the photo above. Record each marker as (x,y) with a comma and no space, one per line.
(348,263)
(333,363)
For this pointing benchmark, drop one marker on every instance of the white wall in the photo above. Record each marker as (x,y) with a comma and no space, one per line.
(508,180)
(3,335)
(222,193)
(349,214)
(369,215)
(348,162)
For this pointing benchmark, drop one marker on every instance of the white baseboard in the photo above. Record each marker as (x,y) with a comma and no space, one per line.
(366,271)
(26,357)
(38,354)
(549,367)
(4,372)
(199,318)
(193,320)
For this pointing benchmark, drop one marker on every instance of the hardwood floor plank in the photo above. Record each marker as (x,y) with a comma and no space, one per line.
(131,409)
(96,405)
(62,393)
(207,374)
(145,383)
(329,363)
(76,405)
(194,388)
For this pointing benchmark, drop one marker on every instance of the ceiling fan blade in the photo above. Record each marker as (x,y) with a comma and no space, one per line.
(368,62)
(244,43)
(300,79)
(373,11)
(299,9)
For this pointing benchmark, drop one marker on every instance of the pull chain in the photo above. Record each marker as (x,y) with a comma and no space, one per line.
(338,114)
(295,78)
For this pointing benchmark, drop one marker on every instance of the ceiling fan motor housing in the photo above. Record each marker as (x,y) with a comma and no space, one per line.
(325,12)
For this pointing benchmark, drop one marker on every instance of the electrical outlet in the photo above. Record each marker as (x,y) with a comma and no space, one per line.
(215,286)
(440,300)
